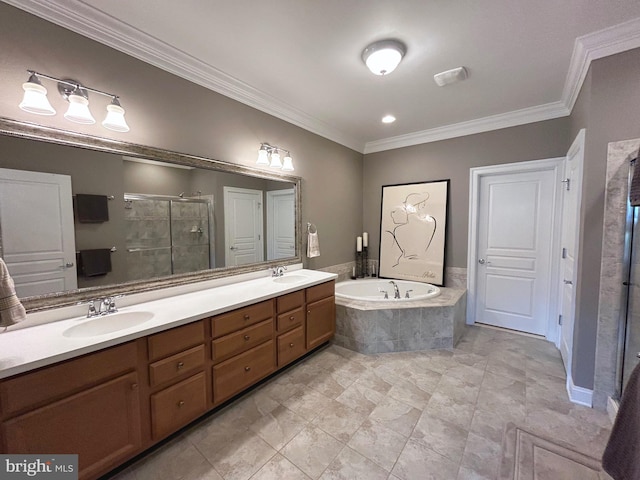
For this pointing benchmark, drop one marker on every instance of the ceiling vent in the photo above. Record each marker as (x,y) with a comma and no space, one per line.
(451,76)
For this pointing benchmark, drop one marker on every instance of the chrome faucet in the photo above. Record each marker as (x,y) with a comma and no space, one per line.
(107,305)
(278,271)
(396,290)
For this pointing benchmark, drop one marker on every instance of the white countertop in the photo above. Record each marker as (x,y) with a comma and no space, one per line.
(24,349)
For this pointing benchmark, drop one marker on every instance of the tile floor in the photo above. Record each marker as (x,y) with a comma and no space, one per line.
(418,415)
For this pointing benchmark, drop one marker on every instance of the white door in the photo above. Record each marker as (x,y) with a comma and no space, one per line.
(281,231)
(36,221)
(514,250)
(570,243)
(243,226)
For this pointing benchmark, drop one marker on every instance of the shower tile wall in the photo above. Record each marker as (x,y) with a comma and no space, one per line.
(190,234)
(148,234)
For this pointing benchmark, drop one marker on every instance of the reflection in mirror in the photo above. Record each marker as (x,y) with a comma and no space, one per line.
(75,218)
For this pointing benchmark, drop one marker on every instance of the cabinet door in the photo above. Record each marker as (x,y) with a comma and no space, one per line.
(101,425)
(321,321)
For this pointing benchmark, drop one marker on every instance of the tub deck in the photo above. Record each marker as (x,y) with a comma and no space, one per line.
(392,326)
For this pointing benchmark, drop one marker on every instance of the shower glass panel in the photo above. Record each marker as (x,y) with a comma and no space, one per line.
(166,235)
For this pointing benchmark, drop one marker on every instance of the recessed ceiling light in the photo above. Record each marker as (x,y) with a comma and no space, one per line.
(388,119)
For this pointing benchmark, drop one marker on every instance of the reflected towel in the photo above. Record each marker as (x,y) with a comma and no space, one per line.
(11,310)
(313,245)
(621,459)
(92,208)
(634,188)
(95,262)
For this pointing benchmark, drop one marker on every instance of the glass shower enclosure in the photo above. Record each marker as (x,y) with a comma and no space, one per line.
(167,235)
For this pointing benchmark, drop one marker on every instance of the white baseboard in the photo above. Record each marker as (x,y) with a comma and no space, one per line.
(612,408)
(579,395)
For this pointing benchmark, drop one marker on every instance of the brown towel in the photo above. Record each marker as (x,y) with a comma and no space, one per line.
(92,208)
(634,188)
(11,310)
(95,262)
(621,458)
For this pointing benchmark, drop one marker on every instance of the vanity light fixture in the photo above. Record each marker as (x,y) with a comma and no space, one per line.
(383,57)
(270,155)
(35,101)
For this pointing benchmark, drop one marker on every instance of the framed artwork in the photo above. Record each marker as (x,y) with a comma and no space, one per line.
(413,225)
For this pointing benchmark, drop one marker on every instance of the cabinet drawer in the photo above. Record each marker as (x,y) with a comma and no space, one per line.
(237,373)
(318,292)
(241,318)
(241,341)
(177,405)
(290,319)
(290,346)
(175,340)
(33,389)
(290,301)
(176,365)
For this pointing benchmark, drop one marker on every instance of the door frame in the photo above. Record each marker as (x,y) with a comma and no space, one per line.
(475,175)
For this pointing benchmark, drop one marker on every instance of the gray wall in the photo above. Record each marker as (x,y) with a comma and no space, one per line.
(452,159)
(168,112)
(609,108)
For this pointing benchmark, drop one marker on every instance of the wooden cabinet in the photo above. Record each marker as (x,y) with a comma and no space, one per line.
(321,315)
(86,406)
(176,378)
(110,405)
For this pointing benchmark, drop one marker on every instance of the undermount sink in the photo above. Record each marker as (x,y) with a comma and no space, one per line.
(291,278)
(107,324)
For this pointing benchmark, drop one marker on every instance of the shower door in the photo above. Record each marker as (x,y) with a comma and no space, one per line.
(632,331)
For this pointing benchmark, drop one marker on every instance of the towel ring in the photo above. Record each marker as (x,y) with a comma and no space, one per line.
(311,228)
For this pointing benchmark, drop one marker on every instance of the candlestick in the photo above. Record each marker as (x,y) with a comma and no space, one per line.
(365,261)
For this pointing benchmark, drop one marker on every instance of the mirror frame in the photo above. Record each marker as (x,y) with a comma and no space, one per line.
(31,131)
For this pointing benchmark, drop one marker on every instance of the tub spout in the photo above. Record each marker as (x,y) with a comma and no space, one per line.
(396,290)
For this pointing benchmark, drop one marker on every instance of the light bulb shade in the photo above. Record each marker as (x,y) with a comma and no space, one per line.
(287,163)
(383,57)
(115,118)
(79,110)
(263,156)
(275,160)
(35,98)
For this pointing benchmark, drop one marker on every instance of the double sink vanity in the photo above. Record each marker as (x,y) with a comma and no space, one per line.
(109,387)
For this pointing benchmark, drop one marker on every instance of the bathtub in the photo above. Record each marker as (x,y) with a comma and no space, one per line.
(366,322)
(372,290)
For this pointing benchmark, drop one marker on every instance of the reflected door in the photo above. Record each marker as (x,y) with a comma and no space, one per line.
(514,236)
(243,226)
(36,221)
(281,230)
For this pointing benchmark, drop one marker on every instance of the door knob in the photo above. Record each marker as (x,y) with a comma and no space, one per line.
(568,282)
(482,261)
(232,248)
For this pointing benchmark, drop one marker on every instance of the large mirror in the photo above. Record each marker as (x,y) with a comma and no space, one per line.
(84,216)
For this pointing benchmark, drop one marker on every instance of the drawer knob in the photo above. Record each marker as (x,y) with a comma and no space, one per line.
(181,403)
(246,317)
(291,345)
(247,369)
(308,312)
(292,318)
(180,365)
(134,386)
(247,337)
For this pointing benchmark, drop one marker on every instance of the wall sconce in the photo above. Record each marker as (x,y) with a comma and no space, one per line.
(270,155)
(35,101)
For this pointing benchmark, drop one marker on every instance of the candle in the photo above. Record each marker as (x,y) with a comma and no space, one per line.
(359,244)
(365,239)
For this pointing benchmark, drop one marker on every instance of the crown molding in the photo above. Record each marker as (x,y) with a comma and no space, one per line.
(471,127)
(90,22)
(96,25)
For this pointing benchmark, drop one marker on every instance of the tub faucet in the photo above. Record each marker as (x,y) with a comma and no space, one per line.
(396,290)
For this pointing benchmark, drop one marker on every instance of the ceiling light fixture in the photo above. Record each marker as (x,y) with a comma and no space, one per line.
(383,57)
(270,155)
(388,119)
(35,101)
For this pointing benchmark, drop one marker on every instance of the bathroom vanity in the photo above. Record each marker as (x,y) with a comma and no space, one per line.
(113,403)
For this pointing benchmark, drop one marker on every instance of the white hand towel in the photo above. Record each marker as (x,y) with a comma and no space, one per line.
(11,310)
(313,245)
